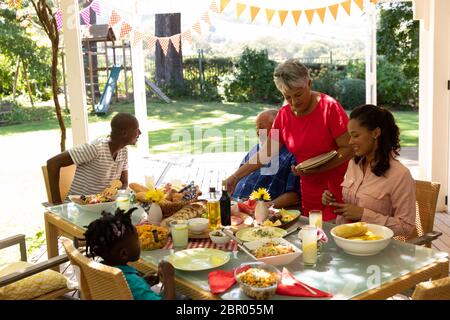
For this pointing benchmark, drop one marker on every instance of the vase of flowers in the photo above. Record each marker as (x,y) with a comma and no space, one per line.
(261,211)
(154,215)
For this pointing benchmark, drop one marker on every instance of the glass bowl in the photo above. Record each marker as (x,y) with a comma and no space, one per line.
(258,280)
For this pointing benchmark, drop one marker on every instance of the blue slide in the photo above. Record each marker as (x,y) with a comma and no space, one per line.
(102,107)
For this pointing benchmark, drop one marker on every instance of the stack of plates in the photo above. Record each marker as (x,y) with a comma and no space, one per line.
(316,161)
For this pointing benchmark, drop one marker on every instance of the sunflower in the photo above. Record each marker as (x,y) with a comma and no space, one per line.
(261,194)
(155,195)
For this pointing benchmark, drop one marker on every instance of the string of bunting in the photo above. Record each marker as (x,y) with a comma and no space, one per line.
(123,28)
(296,13)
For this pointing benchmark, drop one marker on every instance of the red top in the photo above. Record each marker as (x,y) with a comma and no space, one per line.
(309,136)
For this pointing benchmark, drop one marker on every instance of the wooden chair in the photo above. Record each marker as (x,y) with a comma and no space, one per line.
(433,290)
(426,198)
(65,181)
(97,281)
(46,291)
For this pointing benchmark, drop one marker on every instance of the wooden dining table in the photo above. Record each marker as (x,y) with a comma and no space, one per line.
(398,267)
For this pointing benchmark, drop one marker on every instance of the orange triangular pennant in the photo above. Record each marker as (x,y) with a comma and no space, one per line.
(149,42)
(254,12)
(176,42)
(197,28)
(205,17)
(240,7)
(223,4)
(282,14)
(334,10)
(137,37)
(114,18)
(310,15)
(213,7)
(374,1)
(360,4)
(321,13)
(164,42)
(124,30)
(346,5)
(269,14)
(187,36)
(296,15)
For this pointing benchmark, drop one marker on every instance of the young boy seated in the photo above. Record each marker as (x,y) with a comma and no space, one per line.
(116,241)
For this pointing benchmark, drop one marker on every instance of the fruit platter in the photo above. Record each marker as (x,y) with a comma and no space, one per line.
(281,218)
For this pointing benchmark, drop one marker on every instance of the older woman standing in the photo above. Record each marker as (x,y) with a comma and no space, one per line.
(311,123)
(377,188)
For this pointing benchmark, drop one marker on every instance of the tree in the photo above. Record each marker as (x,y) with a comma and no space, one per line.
(46,18)
(398,40)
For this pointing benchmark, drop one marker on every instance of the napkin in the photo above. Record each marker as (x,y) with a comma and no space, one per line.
(291,286)
(220,281)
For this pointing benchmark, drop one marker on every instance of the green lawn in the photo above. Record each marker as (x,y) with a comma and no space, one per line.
(191,126)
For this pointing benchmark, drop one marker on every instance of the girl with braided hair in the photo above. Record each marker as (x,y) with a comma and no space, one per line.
(377,188)
(114,238)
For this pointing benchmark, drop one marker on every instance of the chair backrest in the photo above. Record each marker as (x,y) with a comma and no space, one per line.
(426,199)
(97,281)
(433,290)
(66,175)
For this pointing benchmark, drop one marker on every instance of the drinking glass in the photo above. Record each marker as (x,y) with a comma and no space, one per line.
(309,245)
(179,232)
(150,182)
(123,199)
(315,218)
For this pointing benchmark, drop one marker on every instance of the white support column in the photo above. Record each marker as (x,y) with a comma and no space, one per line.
(371,52)
(74,68)
(434,98)
(140,102)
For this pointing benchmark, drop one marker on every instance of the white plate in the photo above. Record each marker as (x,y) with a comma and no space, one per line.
(95,208)
(281,259)
(316,161)
(198,259)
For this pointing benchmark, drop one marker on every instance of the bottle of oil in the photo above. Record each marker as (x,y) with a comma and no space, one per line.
(225,206)
(213,208)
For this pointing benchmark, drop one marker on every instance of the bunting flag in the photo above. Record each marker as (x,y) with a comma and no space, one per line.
(334,9)
(223,4)
(137,37)
(58,18)
(296,15)
(254,12)
(149,42)
(374,1)
(114,18)
(205,17)
(360,4)
(197,28)
(164,42)
(86,15)
(240,7)
(269,14)
(124,30)
(321,13)
(310,15)
(282,14)
(187,36)
(176,42)
(213,7)
(96,7)
(346,5)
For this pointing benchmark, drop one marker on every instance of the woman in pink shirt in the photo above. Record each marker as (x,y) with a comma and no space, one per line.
(310,124)
(377,188)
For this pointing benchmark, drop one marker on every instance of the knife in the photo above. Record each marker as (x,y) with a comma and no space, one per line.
(292,231)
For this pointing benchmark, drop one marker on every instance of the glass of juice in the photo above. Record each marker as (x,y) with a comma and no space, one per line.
(309,245)
(179,231)
(315,218)
(123,199)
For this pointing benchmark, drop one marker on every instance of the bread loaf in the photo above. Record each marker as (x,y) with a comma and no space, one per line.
(141,196)
(189,211)
(136,187)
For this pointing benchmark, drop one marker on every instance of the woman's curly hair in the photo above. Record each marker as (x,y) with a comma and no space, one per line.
(371,117)
(102,234)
